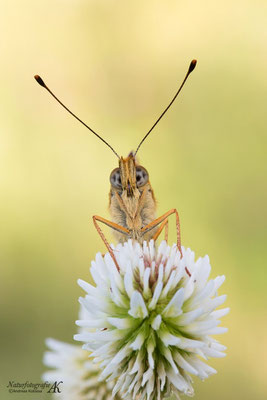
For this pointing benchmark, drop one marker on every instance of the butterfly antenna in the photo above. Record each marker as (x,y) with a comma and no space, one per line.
(190,69)
(41,82)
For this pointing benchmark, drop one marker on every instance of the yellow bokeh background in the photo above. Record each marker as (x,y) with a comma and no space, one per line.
(117,64)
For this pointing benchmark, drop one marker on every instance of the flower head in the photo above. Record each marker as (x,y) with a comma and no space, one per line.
(149,323)
(79,374)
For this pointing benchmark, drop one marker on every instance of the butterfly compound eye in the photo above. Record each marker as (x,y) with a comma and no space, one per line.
(141,176)
(115,178)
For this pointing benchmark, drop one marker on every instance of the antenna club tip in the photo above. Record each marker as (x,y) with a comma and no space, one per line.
(192,66)
(39,80)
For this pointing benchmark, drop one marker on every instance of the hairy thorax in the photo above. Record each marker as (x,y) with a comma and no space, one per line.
(133,212)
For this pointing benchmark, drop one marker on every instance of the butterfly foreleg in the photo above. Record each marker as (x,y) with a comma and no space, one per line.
(159,221)
(112,225)
(165,225)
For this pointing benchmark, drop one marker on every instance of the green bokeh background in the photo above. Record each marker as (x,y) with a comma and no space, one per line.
(117,64)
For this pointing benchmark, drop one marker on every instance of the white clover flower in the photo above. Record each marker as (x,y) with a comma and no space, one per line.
(78,373)
(149,323)
(71,364)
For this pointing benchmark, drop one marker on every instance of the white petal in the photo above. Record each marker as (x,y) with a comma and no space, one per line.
(216,331)
(218,282)
(150,350)
(168,285)
(128,280)
(217,346)
(116,295)
(121,323)
(124,352)
(188,317)
(147,375)
(146,289)
(157,292)
(177,380)
(184,364)
(87,287)
(220,313)
(152,249)
(188,344)
(213,353)
(173,309)
(162,374)
(57,345)
(138,342)
(138,308)
(101,336)
(98,323)
(202,268)
(189,287)
(150,386)
(169,339)
(200,327)
(214,303)
(138,363)
(203,369)
(202,294)
(108,349)
(156,322)
(168,355)
(100,304)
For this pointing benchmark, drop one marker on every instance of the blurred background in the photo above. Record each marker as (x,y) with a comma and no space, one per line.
(117,64)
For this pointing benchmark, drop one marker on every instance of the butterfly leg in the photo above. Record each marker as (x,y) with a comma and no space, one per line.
(165,225)
(112,225)
(161,219)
